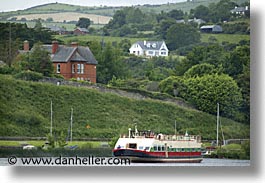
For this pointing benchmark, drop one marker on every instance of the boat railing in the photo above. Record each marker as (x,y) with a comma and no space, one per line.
(150,134)
(179,137)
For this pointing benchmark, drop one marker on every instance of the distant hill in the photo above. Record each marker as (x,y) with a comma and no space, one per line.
(109,11)
(25,111)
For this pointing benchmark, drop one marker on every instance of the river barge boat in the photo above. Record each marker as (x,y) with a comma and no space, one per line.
(146,146)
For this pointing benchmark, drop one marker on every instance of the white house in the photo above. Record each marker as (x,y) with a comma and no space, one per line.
(149,48)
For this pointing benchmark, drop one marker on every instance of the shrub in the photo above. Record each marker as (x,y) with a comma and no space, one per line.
(6,70)
(29,76)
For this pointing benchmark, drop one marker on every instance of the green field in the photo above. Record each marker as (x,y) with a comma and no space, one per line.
(39,143)
(231,38)
(26,105)
(87,38)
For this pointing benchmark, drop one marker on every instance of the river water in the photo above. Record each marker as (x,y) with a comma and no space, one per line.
(207,162)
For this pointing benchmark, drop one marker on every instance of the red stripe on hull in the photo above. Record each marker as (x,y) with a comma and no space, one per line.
(170,154)
(145,156)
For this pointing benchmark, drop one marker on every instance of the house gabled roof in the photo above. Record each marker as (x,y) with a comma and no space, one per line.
(55,28)
(82,29)
(150,45)
(65,54)
(238,9)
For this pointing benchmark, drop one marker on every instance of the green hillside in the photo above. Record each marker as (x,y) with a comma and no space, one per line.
(108,10)
(25,111)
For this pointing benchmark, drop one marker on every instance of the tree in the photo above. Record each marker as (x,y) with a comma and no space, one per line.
(19,33)
(50,19)
(125,45)
(109,64)
(213,54)
(200,70)
(83,22)
(202,12)
(179,35)
(176,14)
(38,25)
(163,27)
(206,91)
(134,15)
(119,19)
(221,11)
(237,60)
(39,61)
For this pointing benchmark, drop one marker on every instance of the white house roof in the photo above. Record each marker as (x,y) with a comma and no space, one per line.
(150,45)
(208,26)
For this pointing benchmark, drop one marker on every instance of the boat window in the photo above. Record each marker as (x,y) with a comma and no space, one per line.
(193,150)
(182,150)
(163,148)
(133,146)
(155,148)
(141,147)
(158,148)
(147,148)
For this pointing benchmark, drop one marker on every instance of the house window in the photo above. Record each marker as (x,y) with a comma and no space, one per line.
(73,68)
(78,68)
(58,69)
(150,52)
(82,68)
(163,53)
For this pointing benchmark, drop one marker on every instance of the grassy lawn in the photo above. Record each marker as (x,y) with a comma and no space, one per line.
(39,143)
(86,38)
(231,38)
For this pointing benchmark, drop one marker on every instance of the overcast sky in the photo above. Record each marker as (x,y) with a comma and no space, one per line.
(10,5)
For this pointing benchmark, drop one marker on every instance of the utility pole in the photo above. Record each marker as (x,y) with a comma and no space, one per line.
(71,125)
(9,46)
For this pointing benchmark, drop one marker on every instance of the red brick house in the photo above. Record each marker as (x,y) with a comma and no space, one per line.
(80,31)
(72,61)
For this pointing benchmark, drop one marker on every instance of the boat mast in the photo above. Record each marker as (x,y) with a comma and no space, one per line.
(51,119)
(71,125)
(217,124)
(175,127)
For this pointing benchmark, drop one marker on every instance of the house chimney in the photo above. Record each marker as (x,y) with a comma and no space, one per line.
(26,45)
(55,46)
(74,44)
